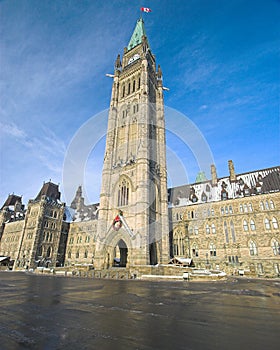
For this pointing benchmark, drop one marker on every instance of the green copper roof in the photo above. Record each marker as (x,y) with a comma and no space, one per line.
(136,37)
(201,177)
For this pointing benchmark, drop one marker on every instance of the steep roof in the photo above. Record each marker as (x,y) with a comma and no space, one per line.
(11,200)
(136,37)
(50,190)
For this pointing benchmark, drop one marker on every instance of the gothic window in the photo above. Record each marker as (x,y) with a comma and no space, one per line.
(226,210)
(133,86)
(48,252)
(196,230)
(85,254)
(226,231)
(204,197)
(55,214)
(139,83)
(190,230)
(46,224)
(213,228)
(212,212)
(40,250)
(241,208)
(275,247)
(253,248)
(224,195)
(128,92)
(245,225)
(250,207)
(272,204)
(178,243)
(266,205)
(212,249)
(232,231)
(230,209)
(245,208)
(260,268)
(261,206)
(69,254)
(77,254)
(222,211)
(274,223)
(123,91)
(123,193)
(207,229)
(195,250)
(47,236)
(252,225)
(267,224)
(51,236)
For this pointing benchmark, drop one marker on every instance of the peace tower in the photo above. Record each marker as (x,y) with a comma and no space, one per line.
(133,216)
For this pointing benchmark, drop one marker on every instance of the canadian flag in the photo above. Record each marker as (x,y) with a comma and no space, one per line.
(145,9)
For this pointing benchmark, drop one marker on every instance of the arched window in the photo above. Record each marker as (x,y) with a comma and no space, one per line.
(69,254)
(226,231)
(133,86)
(275,247)
(245,208)
(123,193)
(77,254)
(48,252)
(196,230)
(230,209)
(261,206)
(128,92)
(123,91)
(222,211)
(139,83)
(85,254)
(267,224)
(40,250)
(213,228)
(51,236)
(232,231)
(47,236)
(266,205)
(250,207)
(241,208)
(272,204)
(252,225)
(207,229)
(245,225)
(274,223)
(195,250)
(253,248)
(178,243)
(212,248)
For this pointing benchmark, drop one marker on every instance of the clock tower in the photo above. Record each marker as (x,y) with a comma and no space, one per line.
(133,216)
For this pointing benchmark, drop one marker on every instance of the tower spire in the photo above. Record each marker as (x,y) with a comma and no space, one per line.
(138,33)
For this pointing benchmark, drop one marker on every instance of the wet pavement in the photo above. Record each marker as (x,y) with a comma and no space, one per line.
(48,312)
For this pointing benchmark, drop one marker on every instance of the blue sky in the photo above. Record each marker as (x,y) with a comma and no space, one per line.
(220,60)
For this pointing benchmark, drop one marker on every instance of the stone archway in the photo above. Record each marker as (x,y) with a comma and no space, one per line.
(120,254)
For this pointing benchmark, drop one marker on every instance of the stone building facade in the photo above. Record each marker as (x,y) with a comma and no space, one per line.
(229,223)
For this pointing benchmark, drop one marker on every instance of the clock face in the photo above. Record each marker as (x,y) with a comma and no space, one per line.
(133,58)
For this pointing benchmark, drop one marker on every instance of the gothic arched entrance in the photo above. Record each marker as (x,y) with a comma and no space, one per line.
(120,254)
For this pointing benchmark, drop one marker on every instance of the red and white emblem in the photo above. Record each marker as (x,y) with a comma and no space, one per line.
(117,223)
